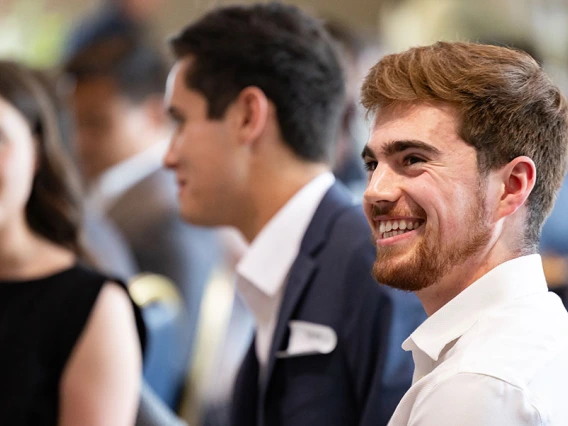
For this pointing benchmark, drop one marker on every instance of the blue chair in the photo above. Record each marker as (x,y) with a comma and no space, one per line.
(163,313)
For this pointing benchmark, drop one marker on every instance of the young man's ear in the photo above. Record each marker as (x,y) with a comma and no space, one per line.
(251,111)
(517,182)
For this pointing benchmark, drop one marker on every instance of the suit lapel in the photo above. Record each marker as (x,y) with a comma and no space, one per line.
(244,406)
(303,269)
(298,279)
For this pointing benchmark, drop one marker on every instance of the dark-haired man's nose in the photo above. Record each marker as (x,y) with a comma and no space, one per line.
(170,159)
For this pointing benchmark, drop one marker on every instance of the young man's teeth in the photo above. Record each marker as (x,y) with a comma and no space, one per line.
(390,228)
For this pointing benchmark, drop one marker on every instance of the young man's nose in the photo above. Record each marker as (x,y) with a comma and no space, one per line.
(382,187)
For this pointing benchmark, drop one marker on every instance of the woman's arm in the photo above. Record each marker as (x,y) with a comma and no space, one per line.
(100,385)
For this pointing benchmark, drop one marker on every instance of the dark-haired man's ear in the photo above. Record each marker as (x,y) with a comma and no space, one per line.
(251,111)
(518,179)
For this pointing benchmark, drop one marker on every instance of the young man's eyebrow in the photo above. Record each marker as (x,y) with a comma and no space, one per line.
(395,147)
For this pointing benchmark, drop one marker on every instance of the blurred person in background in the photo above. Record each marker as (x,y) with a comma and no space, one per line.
(71,352)
(256,95)
(467,152)
(227,330)
(355,50)
(113,18)
(122,134)
(107,251)
(554,244)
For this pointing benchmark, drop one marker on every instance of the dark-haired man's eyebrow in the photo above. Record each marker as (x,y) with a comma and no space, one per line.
(395,147)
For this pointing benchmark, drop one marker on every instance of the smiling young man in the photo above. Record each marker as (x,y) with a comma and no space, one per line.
(256,95)
(467,151)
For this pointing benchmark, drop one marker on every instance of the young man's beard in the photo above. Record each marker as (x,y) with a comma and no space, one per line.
(432,260)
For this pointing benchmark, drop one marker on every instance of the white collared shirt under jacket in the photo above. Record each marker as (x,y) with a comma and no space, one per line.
(263,269)
(495,355)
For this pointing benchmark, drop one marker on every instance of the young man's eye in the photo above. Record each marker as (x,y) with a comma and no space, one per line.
(370,165)
(409,160)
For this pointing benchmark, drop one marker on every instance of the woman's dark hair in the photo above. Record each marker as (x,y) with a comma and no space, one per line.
(53,209)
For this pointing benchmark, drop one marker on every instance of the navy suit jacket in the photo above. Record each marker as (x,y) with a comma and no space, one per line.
(362,380)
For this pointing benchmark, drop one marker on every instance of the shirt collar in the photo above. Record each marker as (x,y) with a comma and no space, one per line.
(119,178)
(271,254)
(511,280)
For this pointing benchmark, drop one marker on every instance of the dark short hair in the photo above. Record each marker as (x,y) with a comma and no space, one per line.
(507,105)
(282,51)
(53,209)
(137,68)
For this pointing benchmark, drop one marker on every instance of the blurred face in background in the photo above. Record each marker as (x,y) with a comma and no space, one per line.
(210,165)
(108,125)
(17,164)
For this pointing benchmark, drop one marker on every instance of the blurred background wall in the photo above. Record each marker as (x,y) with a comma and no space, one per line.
(34,29)
(37,32)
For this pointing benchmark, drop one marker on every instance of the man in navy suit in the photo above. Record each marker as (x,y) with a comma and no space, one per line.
(256,94)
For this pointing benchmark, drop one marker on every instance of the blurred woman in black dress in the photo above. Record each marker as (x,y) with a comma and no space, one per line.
(70,348)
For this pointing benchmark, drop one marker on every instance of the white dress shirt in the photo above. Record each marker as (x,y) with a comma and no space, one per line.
(263,269)
(495,355)
(118,179)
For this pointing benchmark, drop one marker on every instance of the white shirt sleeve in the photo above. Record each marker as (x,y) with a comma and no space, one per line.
(468,399)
